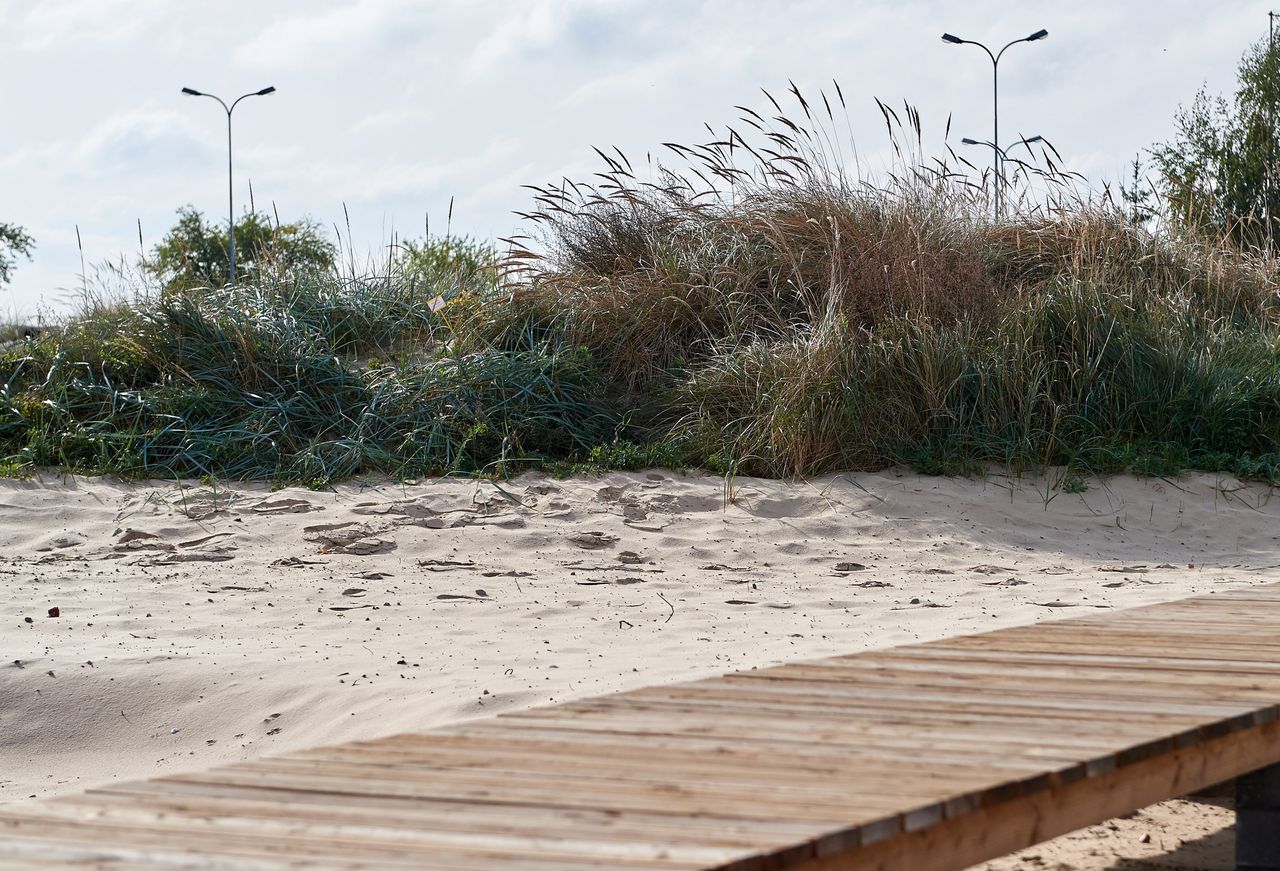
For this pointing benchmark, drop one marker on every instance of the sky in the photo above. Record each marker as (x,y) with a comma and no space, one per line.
(388,110)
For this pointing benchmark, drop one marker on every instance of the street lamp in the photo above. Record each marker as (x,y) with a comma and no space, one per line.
(231,213)
(1004,151)
(995,94)
(1003,154)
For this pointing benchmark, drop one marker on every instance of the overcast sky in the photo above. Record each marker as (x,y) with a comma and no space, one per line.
(392,107)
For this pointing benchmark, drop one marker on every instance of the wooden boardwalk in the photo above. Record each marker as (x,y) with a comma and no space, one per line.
(922,757)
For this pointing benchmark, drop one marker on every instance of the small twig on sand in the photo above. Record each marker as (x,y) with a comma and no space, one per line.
(669,605)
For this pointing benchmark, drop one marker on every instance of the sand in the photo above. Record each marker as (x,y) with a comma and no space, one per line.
(202,624)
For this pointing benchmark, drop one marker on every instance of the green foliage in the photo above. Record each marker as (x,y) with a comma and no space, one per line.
(1217,173)
(196,254)
(15,242)
(1137,196)
(787,321)
(265,383)
(453,264)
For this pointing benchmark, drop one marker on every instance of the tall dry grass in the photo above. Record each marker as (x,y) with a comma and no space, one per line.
(757,303)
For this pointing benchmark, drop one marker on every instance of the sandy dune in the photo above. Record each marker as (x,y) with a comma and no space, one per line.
(200,624)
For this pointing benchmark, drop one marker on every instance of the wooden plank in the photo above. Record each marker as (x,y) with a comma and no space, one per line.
(1101,668)
(567,792)
(520,820)
(357,835)
(755,746)
(972,697)
(278,848)
(1006,827)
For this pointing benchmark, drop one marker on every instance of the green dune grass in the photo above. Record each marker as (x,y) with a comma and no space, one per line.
(757,308)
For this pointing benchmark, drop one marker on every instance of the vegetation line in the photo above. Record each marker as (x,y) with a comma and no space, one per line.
(751,307)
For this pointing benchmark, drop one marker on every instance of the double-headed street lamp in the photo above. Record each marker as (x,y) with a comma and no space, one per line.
(1003,155)
(995,97)
(231,212)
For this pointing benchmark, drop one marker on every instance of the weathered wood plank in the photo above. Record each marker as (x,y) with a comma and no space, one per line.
(1006,827)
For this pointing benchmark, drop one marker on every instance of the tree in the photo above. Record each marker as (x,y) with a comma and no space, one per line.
(195,254)
(1218,172)
(448,262)
(1136,196)
(15,242)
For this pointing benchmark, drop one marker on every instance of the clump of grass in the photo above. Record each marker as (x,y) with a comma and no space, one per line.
(798,319)
(279,381)
(756,305)
(1076,377)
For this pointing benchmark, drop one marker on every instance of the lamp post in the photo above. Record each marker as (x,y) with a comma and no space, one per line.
(231,212)
(995,96)
(1003,154)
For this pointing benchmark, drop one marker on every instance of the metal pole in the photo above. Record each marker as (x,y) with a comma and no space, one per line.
(997,162)
(231,208)
(231,201)
(1269,179)
(995,136)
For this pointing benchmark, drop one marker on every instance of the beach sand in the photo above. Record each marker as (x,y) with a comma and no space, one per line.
(202,624)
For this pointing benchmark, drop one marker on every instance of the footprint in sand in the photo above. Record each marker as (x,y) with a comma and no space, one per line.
(137,539)
(610,494)
(157,552)
(633,510)
(365,547)
(798,506)
(62,542)
(666,503)
(296,562)
(284,506)
(213,555)
(445,565)
(918,603)
(201,504)
(336,533)
(200,542)
(593,540)
(358,539)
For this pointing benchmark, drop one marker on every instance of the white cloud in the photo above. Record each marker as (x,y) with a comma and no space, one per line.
(69,23)
(394,106)
(325,33)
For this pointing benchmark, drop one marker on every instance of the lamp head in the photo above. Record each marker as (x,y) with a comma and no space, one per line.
(192,91)
(968,141)
(1034,139)
(1039,34)
(954,40)
(268,90)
